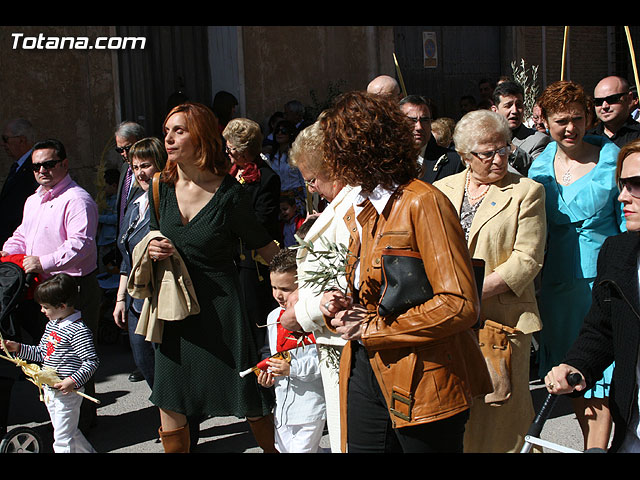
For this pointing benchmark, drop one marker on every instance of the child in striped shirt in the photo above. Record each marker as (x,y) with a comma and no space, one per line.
(67,347)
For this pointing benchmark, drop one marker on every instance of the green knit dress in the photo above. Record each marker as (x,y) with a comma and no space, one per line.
(198,362)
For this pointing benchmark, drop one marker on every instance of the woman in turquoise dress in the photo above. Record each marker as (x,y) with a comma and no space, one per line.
(578,174)
(203,212)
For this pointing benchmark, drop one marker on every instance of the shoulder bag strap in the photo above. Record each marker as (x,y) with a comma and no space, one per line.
(156,193)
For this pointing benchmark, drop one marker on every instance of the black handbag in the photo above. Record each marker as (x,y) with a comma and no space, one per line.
(405,284)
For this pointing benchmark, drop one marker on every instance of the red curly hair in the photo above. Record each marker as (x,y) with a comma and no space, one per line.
(559,95)
(203,128)
(369,141)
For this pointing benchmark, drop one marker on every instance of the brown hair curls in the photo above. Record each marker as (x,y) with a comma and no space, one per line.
(203,128)
(369,142)
(559,95)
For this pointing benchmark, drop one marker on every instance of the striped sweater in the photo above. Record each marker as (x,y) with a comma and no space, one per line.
(67,347)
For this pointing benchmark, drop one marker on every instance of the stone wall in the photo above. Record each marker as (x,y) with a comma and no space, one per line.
(67,93)
(286,63)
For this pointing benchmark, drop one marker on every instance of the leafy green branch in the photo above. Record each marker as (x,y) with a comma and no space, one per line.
(330,261)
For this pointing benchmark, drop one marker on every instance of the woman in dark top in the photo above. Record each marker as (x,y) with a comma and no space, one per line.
(204,212)
(147,156)
(611,330)
(244,141)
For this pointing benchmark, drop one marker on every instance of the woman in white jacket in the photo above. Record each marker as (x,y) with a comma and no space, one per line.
(306,155)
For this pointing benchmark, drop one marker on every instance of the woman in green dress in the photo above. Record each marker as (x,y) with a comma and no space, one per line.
(203,212)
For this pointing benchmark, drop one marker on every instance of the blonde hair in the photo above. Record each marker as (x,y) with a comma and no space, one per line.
(245,135)
(442,129)
(307,149)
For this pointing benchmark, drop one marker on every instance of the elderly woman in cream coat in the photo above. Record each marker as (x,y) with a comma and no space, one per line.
(503,217)
(310,309)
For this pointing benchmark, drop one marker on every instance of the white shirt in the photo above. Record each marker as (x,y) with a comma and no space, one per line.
(299,396)
(379,199)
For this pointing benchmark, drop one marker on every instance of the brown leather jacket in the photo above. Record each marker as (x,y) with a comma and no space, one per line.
(427,360)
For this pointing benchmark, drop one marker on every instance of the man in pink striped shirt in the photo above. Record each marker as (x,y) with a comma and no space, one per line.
(60,219)
(58,235)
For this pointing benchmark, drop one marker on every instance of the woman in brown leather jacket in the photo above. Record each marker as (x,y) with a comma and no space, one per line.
(409,377)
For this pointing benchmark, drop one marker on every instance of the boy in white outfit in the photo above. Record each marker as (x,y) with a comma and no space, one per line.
(67,347)
(300,413)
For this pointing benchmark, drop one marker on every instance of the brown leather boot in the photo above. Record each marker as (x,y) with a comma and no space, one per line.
(175,441)
(263,430)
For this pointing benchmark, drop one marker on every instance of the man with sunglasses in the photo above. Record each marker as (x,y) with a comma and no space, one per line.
(17,139)
(58,235)
(613,104)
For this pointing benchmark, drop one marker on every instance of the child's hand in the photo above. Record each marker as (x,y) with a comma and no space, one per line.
(66,386)
(12,346)
(265,379)
(279,367)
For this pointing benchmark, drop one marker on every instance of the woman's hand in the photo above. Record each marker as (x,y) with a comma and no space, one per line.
(120,315)
(160,248)
(333,301)
(556,380)
(268,251)
(349,322)
(120,309)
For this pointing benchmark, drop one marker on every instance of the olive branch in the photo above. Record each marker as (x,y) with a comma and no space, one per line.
(330,262)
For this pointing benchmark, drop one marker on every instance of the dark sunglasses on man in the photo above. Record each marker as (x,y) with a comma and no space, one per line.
(610,99)
(120,150)
(48,165)
(632,184)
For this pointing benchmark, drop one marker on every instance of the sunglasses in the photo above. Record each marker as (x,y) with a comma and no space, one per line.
(420,119)
(48,165)
(632,184)
(615,98)
(486,156)
(120,150)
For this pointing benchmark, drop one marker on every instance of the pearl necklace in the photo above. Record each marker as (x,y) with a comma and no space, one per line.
(466,190)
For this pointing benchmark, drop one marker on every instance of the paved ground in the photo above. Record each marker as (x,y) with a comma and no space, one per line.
(128,422)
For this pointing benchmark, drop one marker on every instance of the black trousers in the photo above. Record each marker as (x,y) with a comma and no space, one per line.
(370,430)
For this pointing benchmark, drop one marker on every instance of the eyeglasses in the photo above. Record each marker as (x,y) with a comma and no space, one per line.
(632,184)
(231,150)
(615,98)
(284,131)
(420,119)
(120,150)
(48,165)
(310,183)
(5,138)
(486,156)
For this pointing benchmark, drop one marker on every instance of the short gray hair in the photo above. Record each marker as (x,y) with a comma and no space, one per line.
(130,131)
(476,126)
(21,127)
